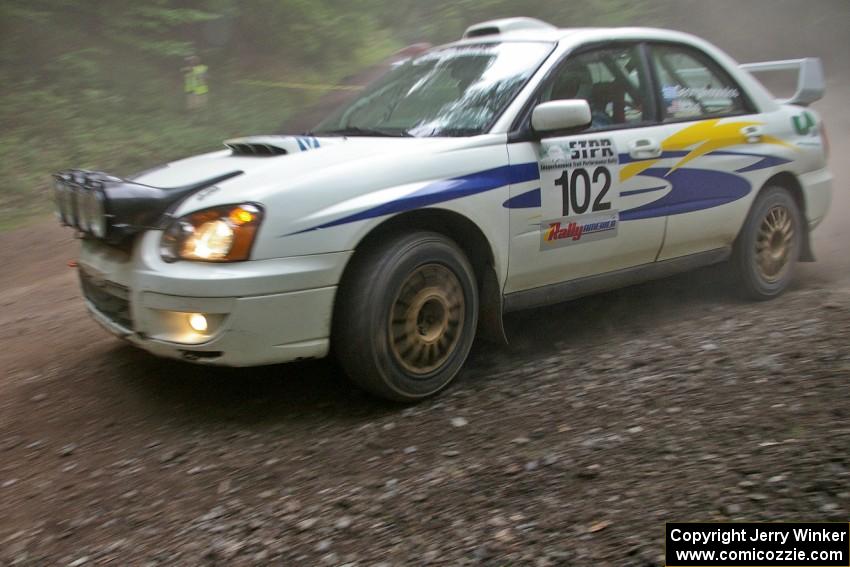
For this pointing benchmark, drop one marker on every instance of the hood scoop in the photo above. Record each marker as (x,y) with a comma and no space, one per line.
(272,146)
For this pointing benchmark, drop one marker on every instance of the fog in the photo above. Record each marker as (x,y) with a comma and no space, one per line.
(761,30)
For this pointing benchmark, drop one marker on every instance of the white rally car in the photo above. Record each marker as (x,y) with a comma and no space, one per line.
(520,166)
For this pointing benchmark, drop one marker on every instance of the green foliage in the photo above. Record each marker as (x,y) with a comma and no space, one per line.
(98,83)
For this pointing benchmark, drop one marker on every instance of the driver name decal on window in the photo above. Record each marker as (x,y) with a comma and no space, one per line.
(691,87)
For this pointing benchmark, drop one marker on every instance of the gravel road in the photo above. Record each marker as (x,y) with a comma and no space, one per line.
(606,417)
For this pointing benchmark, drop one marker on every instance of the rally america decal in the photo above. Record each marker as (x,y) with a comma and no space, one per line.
(567,231)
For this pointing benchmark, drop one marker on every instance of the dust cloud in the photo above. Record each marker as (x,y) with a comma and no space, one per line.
(762,30)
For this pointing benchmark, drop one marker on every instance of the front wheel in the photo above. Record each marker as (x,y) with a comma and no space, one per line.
(406,316)
(768,247)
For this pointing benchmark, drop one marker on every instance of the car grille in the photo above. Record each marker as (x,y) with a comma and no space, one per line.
(110,299)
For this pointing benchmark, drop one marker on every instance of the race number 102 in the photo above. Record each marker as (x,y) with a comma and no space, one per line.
(578,187)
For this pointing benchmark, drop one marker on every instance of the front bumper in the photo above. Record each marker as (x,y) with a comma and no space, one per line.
(260,312)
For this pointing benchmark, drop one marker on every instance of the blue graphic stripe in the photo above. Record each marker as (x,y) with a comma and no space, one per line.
(765,160)
(528,200)
(307,143)
(521,172)
(626,158)
(639,191)
(692,190)
(445,190)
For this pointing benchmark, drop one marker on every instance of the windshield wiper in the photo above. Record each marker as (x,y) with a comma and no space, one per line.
(357,131)
(459,132)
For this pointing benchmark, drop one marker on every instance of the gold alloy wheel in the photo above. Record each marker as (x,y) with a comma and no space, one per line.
(426,319)
(774,243)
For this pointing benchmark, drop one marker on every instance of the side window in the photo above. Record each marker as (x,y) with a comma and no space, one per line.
(611,80)
(691,87)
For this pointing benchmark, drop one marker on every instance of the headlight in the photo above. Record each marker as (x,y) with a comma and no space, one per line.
(97,214)
(60,196)
(73,208)
(81,201)
(91,211)
(220,234)
(81,207)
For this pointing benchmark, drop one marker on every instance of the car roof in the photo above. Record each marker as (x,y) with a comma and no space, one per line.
(583,34)
(564,40)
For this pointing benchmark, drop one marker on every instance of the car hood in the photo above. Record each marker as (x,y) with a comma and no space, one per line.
(308,174)
(277,162)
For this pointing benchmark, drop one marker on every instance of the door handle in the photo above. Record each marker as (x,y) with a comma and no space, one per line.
(645,149)
(753,134)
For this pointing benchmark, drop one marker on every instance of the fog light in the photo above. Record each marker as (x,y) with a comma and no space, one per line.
(198,322)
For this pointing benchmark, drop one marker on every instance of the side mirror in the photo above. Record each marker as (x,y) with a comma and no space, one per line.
(559,115)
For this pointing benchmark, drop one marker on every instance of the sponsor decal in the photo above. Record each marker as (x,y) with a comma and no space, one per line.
(206,192)
(306,143)
(566,231)
(805,124)
(678,91)
(684,102)
(577,153)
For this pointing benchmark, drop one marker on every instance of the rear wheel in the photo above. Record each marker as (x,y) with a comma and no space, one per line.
(406,316)
(768,247)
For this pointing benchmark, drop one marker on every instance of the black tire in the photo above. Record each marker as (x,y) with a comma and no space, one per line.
(406,315)
(765,258)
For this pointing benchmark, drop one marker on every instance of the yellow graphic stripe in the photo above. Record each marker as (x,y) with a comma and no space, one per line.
(701,138)
(630,170)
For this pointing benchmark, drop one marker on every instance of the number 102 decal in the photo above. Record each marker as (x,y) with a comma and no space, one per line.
(578,186)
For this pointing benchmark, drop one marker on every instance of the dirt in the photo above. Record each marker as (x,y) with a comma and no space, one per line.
(606,417)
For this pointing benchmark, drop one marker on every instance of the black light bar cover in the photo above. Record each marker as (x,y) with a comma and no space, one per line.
(132,207)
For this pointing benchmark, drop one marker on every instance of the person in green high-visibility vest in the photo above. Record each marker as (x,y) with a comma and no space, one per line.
(195,83)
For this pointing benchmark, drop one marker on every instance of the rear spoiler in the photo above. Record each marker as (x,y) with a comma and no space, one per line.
(810,82)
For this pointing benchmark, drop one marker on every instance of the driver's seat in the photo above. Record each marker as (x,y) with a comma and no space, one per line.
(611,93)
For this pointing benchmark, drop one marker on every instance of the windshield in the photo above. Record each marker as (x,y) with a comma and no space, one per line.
(455,91)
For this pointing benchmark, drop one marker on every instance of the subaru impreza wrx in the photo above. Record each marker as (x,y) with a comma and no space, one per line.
(520,166)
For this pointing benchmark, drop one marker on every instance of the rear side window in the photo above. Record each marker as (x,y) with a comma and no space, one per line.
(692,87)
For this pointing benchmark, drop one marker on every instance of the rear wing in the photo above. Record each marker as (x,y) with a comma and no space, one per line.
(810,82)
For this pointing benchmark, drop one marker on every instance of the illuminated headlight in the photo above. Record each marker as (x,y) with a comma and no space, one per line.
(220,234)
(213,240)
(198,322)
